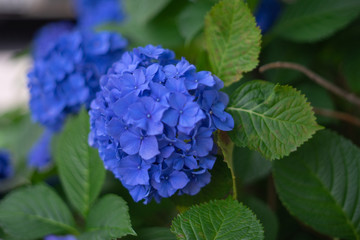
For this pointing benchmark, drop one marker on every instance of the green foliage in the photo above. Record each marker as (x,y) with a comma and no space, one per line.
(232,40)
(191,19)
(155,233)
(309,20)
(219,219)
(81,170)
(108,219)
(266,216)
(33,212)
(249,166)
(271,119)
(141,11)
(352,69)
(319,184)
(214,190)
(17,135)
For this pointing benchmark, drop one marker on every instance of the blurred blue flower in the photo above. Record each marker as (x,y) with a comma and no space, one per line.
(153,123)
(40,154)
(67,76)
(91,13)
(6,169)
(54,237)
(267,13)
(45,39)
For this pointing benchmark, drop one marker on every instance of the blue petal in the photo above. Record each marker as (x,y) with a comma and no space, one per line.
(178,180)
(130,142)
(149,147)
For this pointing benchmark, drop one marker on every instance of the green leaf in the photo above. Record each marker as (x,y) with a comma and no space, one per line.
(320,185)
(249,166)
(81,170)
(271,119)
(108,218)
(233,40)
(33,212)
(142,11)
(219,219)
(266,216)
(191,19)
(309,20)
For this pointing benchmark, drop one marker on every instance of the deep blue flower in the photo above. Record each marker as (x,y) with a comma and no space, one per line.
(45,39)
(67,76)
(267,13)
(54,237)
(39,155)
(153,123)
(91,13)
(6,169)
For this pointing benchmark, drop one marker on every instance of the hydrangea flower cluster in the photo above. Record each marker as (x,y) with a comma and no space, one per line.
(6,169)
(153,123)
(67,76)
(94,12)
(47,36)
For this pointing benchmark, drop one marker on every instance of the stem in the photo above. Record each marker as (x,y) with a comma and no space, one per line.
(338,115)
(350,97)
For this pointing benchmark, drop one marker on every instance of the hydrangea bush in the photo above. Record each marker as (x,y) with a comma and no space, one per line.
(67,77)
(197,143)
(153,122)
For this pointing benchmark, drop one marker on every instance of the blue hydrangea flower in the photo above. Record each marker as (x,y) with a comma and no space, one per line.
(6,169)
(67,76)
(95,12)
(54,237)
(153,123)
(267,13)
(39,155)
(47,36)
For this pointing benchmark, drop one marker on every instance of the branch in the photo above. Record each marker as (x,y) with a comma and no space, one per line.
(338,115)
(351,97)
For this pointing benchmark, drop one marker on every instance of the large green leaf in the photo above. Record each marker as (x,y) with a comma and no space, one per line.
(320,185)
(271,119)
(219,219)
(33,212)
(108,219)
(81,170)
(233,40)
(141,11)
(309,20)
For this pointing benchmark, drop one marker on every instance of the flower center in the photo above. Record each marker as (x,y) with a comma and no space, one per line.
(158,99)
(136,87)
(181,111)
(141,138)
(139,167)
(196,80)
(148,115)
(211,112)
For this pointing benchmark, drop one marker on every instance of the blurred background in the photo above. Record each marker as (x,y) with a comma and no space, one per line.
(19,20)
